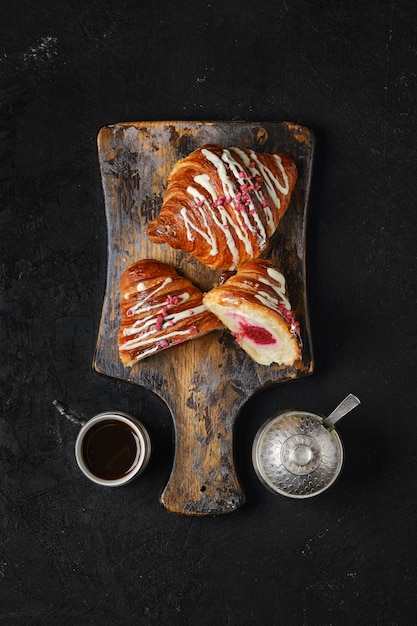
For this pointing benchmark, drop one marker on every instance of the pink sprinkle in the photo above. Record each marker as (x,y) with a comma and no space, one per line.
(252,211)
(227,200)
(238,196)
(199,202)
(164,311)
(241,174)
(225,226)
(159,322)
(193,330)
(264,203)
(170,323)
(252,165)
(129,312)
(190,312)
(251,187)
(164,343)
(171,300)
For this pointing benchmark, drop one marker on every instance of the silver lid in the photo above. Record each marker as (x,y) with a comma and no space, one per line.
(295,455)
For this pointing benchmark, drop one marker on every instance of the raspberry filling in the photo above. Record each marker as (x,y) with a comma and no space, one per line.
(257,334)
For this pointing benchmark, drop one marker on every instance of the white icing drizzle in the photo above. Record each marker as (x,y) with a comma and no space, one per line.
(150,319)
(133,344)
(278,285)
(144,339)
(241,224)
(221,170)
(207,234)
(204,181)
(223,223)
(271,181)
(145,331)
(286,186)
(176,317)
(255,172)
(236,169)
(139,306)
(142,286)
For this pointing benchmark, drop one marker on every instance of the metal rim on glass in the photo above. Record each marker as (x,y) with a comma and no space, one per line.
(144,452)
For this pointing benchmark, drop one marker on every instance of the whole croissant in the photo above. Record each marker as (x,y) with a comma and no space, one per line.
(159,309)
(222,205)
(253,304)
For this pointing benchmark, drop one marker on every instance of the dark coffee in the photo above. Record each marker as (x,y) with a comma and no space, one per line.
(110,449)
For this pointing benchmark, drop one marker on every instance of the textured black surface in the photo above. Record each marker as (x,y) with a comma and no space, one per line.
(73,553)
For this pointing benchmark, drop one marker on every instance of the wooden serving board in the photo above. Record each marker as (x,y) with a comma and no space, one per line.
(205,381)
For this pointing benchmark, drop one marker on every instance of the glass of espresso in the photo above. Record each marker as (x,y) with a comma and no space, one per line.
(112,449)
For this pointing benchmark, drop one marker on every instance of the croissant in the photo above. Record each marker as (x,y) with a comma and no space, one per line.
(159,309)
(253,304)
(222,205)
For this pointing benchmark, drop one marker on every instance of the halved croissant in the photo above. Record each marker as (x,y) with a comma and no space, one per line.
(222,205)
(253,304)
(159,309)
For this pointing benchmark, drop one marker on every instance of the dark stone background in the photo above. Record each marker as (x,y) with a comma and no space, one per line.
(74,553)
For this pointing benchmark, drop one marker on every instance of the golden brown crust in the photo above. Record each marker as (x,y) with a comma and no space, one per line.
(254,305)
(247,282)
(223,205)
(159,309)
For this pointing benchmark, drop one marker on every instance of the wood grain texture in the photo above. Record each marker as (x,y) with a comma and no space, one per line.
(204,382)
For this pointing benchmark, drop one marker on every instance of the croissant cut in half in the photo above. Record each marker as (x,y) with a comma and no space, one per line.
(159,309)
(253,304)
(222,205)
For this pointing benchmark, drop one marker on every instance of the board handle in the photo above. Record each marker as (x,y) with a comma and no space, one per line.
(203,480)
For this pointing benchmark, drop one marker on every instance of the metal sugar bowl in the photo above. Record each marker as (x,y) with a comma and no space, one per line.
(299,454)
